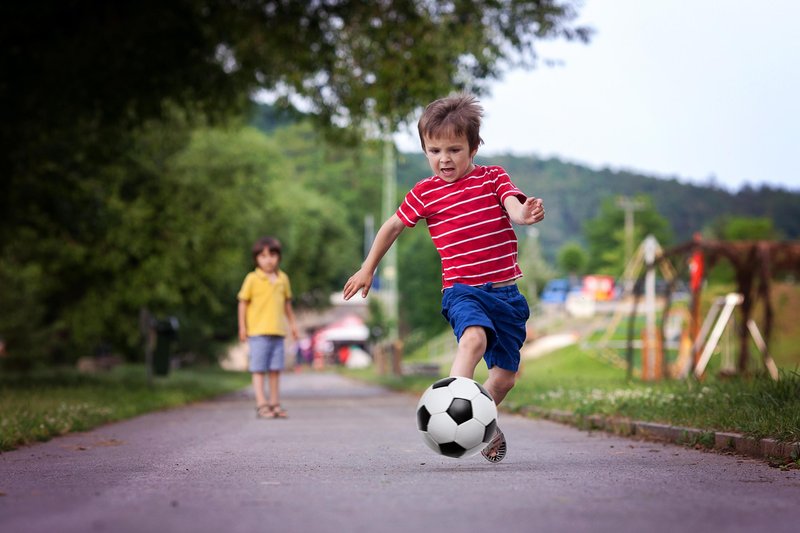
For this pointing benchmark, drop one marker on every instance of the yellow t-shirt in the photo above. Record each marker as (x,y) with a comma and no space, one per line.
(266,311)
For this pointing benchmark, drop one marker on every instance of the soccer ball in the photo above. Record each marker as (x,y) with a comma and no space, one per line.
(456,417)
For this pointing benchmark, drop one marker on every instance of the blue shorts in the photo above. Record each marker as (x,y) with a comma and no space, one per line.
(266,353)
(502,311)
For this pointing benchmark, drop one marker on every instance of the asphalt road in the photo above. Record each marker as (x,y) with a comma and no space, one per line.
(349,459)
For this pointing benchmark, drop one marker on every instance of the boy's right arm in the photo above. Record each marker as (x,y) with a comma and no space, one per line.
(362,280)
(242,313)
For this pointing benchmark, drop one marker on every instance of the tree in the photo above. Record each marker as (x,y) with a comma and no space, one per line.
(572,258)
(420,284)
(82,74)
(383,60)
(533,263)
(175,236)
(747,229)
(174,239)
(606,237)
(737,228)
(84,161)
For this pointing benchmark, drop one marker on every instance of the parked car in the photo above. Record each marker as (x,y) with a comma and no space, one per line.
(555,291)
(597,287)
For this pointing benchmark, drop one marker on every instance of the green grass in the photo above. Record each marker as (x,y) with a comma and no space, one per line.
(571,380)
(756,406)
(44,405)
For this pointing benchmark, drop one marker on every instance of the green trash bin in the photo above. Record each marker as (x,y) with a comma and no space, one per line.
(166,333)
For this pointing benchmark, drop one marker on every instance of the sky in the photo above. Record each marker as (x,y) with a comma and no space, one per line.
(705,91)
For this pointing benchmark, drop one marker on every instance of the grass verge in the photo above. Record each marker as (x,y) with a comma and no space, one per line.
(41,406)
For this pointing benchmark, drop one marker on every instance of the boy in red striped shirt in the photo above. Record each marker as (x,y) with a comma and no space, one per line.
(469,210)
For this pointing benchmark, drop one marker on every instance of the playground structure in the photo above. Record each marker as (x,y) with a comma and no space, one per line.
(755,264)
(721,314)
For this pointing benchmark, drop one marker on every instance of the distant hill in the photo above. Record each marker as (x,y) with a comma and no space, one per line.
(573,194)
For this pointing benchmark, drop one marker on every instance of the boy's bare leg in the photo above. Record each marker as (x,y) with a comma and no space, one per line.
(275,395)
(274,391)
(471,348)
(499,383)
(258,388)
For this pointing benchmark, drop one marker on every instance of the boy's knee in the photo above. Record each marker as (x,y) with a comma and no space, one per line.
(506,382)
(474,336)
(499,384)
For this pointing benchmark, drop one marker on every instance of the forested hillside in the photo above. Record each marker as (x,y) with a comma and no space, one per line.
(573,194)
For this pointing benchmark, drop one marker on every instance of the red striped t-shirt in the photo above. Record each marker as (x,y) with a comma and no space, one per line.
(468,224)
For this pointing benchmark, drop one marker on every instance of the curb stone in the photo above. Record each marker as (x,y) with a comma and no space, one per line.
(718,440)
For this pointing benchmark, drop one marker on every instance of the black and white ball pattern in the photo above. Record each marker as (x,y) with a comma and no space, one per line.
(456,417)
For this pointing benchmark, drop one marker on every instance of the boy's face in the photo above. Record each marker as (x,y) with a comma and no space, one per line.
(449,156)
(268,260)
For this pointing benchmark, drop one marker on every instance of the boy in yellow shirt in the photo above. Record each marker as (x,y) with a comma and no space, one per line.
(265,306)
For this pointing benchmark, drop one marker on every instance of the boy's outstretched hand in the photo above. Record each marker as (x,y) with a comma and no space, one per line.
(529,212)
(361,280)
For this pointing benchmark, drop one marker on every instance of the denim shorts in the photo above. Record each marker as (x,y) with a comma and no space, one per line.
(266,353)
(503,313)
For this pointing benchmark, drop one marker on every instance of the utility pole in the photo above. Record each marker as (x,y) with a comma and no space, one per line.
(389,294)
(533,242)
(629,206)
(651,353)
(369,233)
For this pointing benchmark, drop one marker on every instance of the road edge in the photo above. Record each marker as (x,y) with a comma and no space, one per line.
(765,448)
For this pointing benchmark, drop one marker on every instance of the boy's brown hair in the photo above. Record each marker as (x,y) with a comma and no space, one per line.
(458,114)
(271,243)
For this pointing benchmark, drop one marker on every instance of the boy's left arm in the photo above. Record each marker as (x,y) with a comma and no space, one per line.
(525,213)
(290,318)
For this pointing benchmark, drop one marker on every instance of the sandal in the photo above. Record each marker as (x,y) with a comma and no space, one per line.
(277,411)
(495,451)
(264,411)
